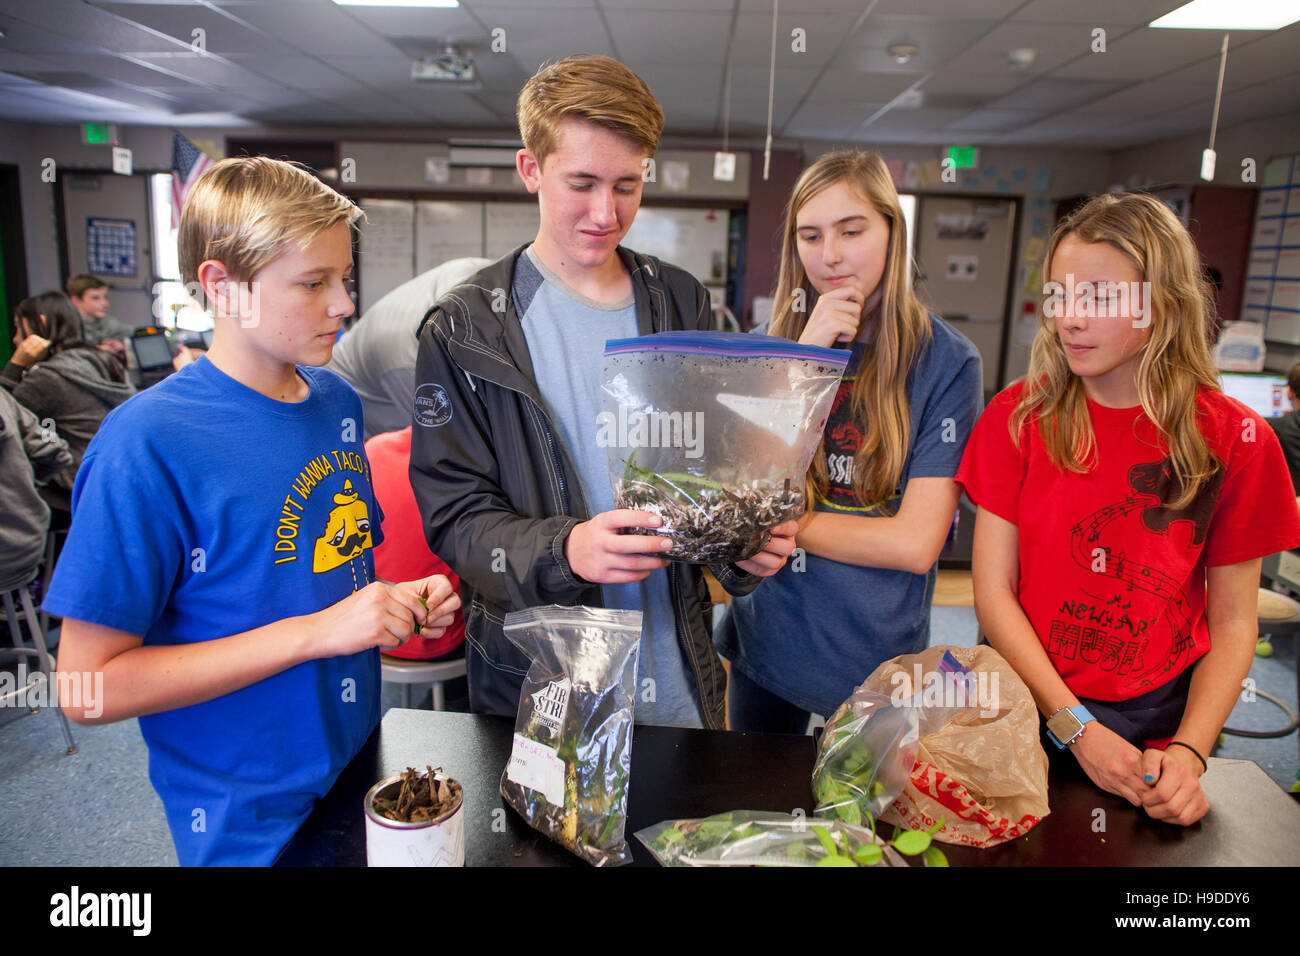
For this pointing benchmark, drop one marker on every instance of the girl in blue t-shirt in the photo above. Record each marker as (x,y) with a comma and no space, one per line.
(880,493)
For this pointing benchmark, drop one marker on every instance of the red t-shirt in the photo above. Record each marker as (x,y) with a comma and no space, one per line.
(404,554)
(1113,582)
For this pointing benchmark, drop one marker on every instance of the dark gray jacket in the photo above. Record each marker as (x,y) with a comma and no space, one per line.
(29,455)
(499,493)
(75,389)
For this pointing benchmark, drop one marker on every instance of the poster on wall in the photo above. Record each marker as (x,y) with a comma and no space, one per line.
(110,247)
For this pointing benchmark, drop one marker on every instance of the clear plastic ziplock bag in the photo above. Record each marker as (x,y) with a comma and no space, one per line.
(864,757)
(754,838)
(714,432)
(571,761)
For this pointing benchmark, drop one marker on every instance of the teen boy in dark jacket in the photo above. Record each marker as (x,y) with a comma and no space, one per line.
(501,492)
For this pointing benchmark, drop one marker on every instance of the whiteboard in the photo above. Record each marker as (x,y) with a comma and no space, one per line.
(508,226)
(694,239)
(387,248)
(445,231)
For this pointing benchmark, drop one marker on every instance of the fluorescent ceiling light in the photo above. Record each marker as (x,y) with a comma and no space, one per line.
(1231,15)
(398,3)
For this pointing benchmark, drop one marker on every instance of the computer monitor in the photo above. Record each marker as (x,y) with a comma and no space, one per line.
(151,352)
(1263,392)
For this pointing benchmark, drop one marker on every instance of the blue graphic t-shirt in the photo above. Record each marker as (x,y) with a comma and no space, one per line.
(818,628)
(204,509)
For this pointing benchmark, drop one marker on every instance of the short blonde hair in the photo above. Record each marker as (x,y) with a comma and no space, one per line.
(598,89)
(245,211)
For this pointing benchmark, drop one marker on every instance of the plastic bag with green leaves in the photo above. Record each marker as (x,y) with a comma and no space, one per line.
(755,838)
(570,763)
(865,754)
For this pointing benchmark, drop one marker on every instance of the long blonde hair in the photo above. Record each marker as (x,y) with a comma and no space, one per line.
(879,397)
(1174,363)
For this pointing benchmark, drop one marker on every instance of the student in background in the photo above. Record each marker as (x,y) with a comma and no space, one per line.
(90,296)
(377,355)
(1287,427)
(30,455)
(57,375)
(1124,505)
(880,494)
(218,573)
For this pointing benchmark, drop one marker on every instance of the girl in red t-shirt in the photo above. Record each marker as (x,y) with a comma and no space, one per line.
(1124,505)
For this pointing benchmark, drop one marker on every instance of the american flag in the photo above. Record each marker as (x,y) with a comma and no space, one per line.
(188,164)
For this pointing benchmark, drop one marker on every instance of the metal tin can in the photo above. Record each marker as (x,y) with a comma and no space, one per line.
(437,842)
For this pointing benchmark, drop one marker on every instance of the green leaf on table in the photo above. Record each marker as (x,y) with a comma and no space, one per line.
(911,842)
(933,856)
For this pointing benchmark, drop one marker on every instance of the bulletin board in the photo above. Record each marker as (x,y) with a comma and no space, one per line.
(387,253)
(402,238)
(1272,292)
(111,247)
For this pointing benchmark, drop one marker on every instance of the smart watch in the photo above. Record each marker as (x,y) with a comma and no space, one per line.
(1066,725)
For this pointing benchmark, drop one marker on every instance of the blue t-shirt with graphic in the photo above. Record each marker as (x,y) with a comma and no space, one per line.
(204,509)
(816,629)
(566,334)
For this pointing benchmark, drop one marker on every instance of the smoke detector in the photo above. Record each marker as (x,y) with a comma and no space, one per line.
(902,52)
(1021,59)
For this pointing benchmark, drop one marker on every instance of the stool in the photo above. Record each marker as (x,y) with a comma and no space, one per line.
(398,670)
(953,588)
(44,662)
(1279,615)
(47,574)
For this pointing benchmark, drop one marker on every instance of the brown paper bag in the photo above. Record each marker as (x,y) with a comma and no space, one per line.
(983,771)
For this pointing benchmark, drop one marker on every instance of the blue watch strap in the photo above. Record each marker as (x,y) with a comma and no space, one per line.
(1081,714)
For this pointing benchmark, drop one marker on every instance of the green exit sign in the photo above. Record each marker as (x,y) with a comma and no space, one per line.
(963,157)
(94,134)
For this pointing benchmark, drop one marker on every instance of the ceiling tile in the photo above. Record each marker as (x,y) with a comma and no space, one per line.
(1053,95)
(1053,46)
(1097,12)
(1144,54)
(940,42)
(994,121)
(180,21)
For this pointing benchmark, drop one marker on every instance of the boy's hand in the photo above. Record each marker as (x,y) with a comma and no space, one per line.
(29,351)
(379,615)
(432,602)
(598,553)
(1111,762)
(835,317)
(1174,791)
(774,554)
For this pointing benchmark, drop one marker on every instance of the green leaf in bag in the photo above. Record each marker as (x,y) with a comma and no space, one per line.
(911,842)
(869,854)
(824,837)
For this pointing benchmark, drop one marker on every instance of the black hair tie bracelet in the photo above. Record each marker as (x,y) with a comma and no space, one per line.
(1178,743)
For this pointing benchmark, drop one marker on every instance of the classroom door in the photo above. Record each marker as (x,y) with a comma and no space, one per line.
(107,229)
(964,248)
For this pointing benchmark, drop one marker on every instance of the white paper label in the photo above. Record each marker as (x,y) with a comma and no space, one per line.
(783,417)
(537,767)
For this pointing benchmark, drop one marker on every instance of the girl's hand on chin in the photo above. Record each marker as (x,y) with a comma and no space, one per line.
(835,317)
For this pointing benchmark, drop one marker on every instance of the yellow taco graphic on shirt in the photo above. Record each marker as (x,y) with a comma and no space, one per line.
(347,532)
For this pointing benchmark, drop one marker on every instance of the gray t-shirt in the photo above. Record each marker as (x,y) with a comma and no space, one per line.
(566,334)
(377,356)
